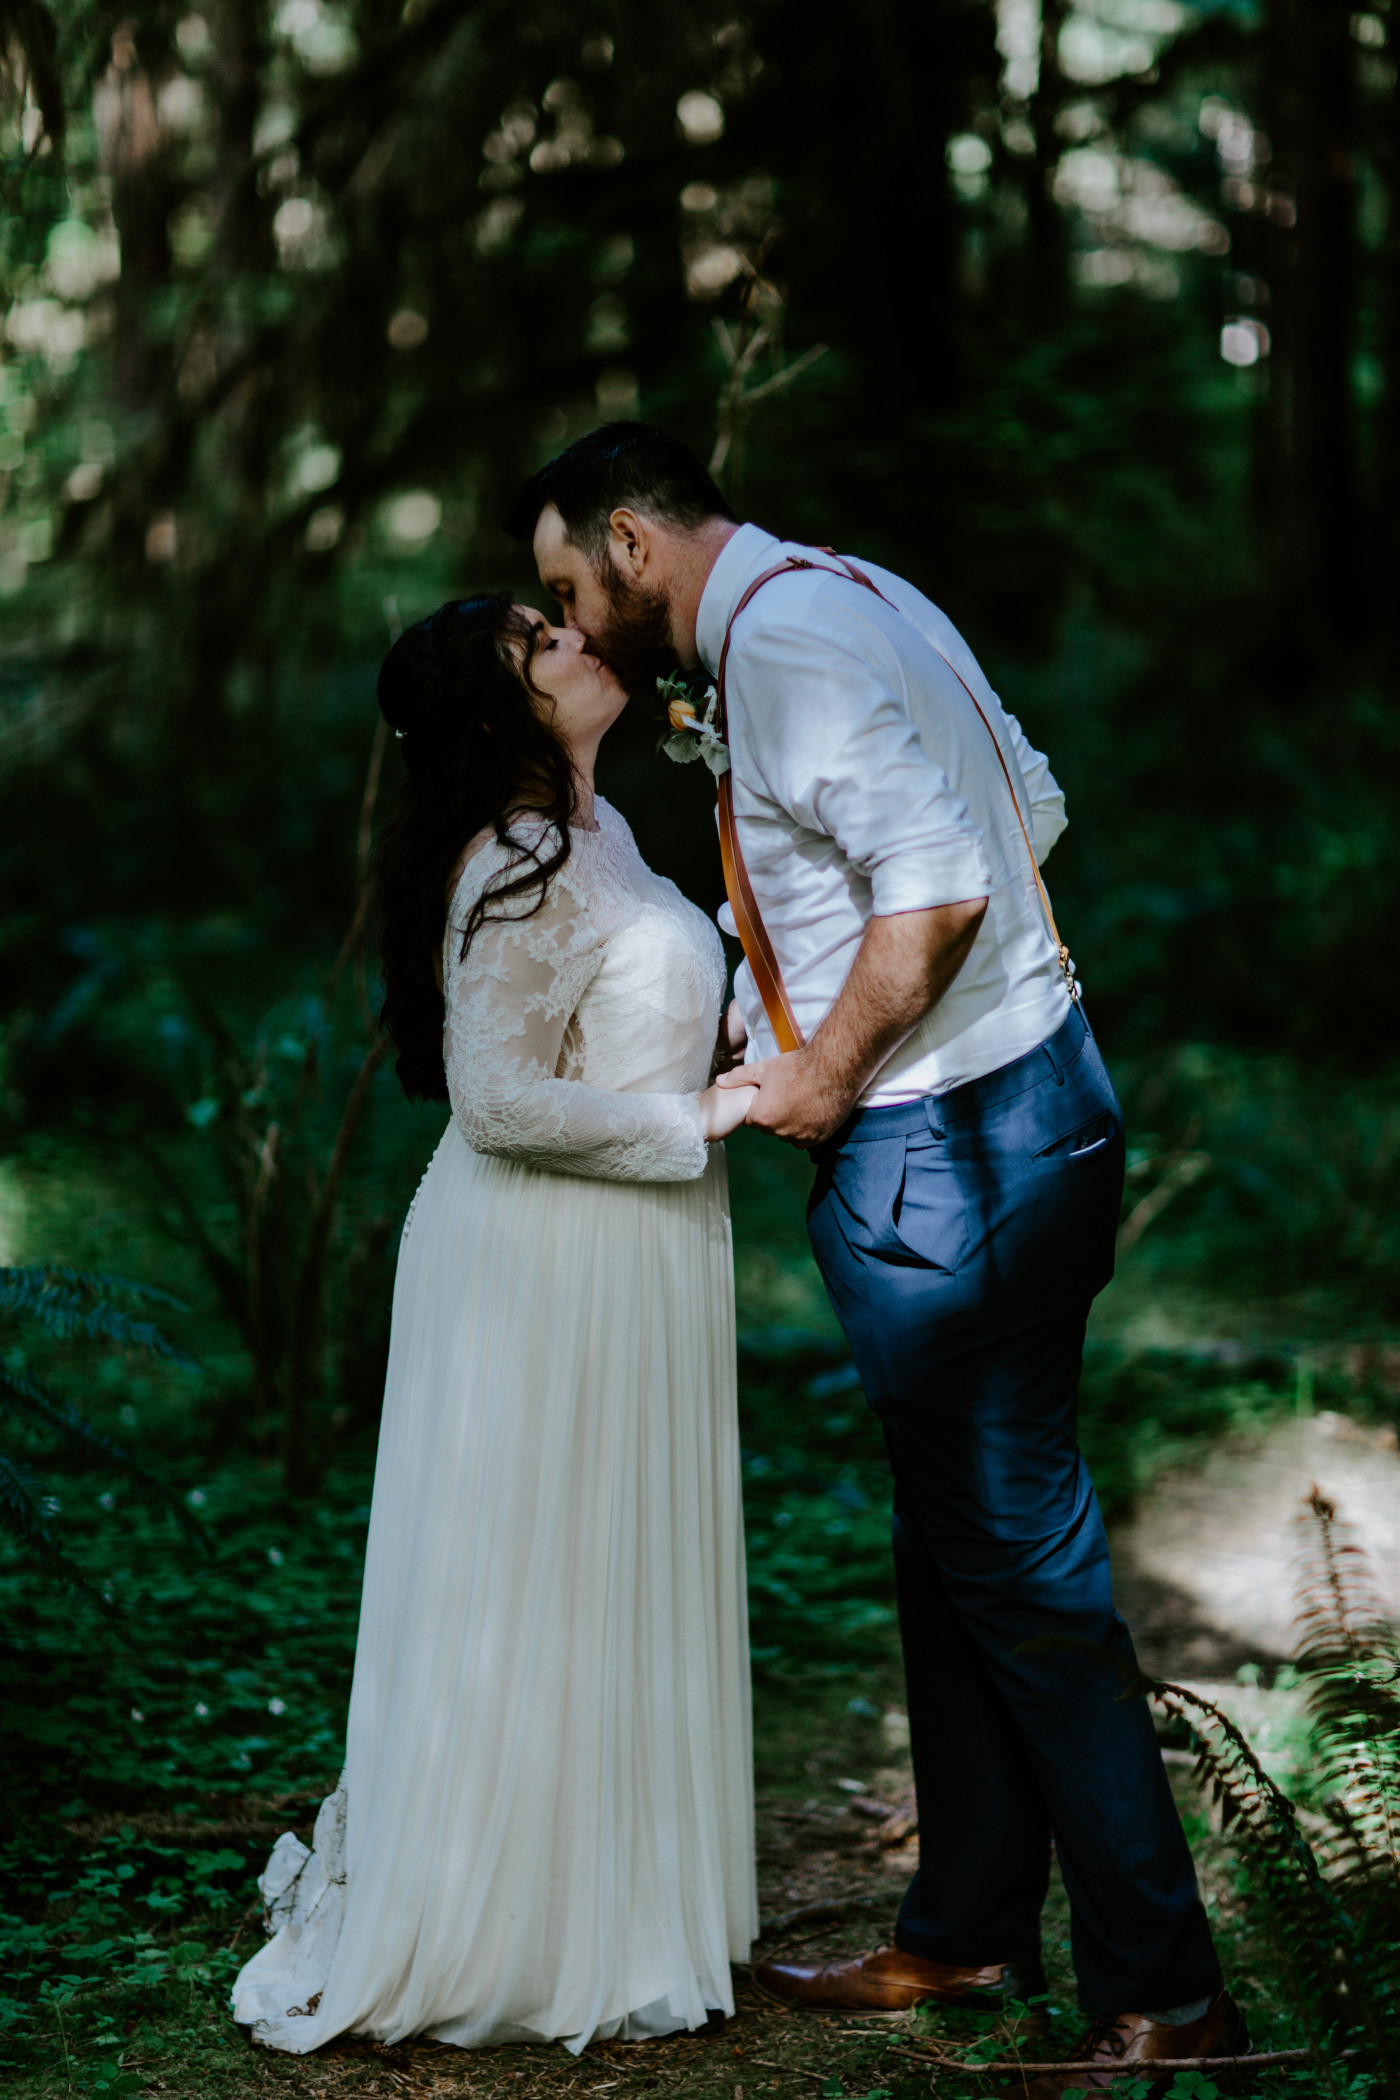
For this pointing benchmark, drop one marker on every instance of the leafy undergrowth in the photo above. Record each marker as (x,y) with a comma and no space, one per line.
(150,1761)
(151,2018)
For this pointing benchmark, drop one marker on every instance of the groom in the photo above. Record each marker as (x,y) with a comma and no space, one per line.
(969,1156)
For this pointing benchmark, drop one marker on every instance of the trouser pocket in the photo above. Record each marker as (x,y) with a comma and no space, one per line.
(928,1218)
(1087,1138)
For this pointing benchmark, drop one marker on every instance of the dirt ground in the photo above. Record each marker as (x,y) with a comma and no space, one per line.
(831,1872)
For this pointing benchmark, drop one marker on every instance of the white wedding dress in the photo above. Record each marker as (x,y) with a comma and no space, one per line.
(544,1828)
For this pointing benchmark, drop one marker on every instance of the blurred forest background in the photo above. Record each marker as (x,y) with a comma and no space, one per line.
(1083,314)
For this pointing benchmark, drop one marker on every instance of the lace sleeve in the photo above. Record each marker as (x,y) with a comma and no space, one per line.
(507,1008)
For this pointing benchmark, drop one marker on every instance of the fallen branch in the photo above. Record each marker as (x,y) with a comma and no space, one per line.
(1186,1168)
(1259,2061)
(815,1914)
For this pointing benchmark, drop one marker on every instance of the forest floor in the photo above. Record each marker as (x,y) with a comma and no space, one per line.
(1203,1557)
(836,1847)
(817,1852)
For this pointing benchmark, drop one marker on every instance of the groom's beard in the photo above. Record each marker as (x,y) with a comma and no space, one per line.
(636,639)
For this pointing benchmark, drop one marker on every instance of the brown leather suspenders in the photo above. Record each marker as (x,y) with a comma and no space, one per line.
(758,948)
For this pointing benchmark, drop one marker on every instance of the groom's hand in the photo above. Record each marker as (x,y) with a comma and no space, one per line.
(796,1100)
(905,963)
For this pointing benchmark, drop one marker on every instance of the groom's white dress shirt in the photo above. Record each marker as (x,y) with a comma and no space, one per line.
(866,784)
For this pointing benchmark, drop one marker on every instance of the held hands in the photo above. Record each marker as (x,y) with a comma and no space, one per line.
(723,1111)
(792,1097)
(729,1044)
(905,963)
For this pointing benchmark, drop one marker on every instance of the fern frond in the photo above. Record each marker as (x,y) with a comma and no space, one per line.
(1324,1965)
(1340,1615)
(22,1517)
(22,1397)
(68,1302)
(1350,1654)
(226,1274)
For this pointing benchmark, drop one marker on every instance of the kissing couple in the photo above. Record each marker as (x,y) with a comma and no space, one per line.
(544,1826)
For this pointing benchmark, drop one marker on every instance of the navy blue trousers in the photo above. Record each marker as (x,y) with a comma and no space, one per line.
(961,1239)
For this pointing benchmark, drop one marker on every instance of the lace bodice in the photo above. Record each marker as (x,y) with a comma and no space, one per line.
(577,1035)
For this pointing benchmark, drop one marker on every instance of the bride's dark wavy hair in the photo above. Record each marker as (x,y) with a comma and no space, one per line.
(457,690)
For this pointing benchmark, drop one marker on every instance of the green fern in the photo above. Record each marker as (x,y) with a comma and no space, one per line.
(1331,1906)
(1325,1958)
(68,1304)
(1314,1940)
(1349,1656)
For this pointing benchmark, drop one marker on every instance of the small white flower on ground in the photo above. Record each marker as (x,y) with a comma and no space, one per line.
(277,1706)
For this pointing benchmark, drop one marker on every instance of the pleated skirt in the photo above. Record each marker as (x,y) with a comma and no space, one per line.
(544,1829)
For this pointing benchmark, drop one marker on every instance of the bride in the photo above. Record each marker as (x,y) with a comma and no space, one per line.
(544,1825)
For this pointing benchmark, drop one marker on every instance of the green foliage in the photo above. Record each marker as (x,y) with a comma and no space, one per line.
(286,312)
(66,1303)
(1349,1654)
(128,1853)
(1144,1410)
(1284,1168)
(1331,1904)
(280,1118)
(817,1498)
(238,1684)
(1311,1934)
(299,303)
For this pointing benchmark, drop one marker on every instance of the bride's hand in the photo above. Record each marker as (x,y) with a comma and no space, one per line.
(723,1109)
(733,1035)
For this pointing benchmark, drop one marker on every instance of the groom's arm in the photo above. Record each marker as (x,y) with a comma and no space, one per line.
(820,720)
(904,965)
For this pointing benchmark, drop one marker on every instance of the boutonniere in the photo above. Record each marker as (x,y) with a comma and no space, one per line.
(692,735)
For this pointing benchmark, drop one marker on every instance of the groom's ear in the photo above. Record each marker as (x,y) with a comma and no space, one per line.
(631,541)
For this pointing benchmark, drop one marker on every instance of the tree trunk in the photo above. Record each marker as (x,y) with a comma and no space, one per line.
(1311,479)
(860,113)
(1044,283)
(1388,490)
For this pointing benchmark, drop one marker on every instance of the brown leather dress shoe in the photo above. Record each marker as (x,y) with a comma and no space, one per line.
(891,1981)
(1120,2049)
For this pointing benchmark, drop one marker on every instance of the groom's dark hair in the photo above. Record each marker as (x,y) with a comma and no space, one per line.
(618,464)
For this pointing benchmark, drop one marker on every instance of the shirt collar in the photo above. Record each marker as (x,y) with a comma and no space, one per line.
(742,557)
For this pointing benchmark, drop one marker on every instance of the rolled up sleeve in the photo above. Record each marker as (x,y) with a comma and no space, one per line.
(849,765)
(1046,796)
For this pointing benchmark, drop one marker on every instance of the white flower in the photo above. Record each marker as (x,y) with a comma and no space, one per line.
(277,1706)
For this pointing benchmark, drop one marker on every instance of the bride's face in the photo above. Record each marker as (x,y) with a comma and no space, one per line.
(580,691)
